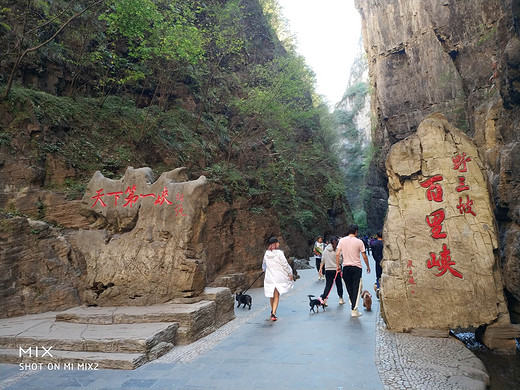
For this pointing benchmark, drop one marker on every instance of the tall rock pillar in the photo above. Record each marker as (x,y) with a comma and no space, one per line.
(440,268)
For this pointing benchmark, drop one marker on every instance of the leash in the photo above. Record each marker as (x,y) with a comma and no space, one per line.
(333,281)
(253,282)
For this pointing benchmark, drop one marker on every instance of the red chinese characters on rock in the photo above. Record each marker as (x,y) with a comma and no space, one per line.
(411,280)
(434,220)
(97,198)
(178,209)
(132,198)
(459,162)
(116,196)
(462,184)
(162,198)
(434,191)
(443,262)
(466,208)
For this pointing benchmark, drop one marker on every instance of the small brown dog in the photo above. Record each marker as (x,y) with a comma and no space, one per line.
(367,300)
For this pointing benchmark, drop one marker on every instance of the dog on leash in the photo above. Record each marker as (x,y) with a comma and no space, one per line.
(367,300)
(244,299)
(315,303)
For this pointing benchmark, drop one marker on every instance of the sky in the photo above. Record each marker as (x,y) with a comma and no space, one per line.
(327,34)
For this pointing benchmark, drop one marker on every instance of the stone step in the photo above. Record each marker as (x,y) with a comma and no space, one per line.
(187,335)
(184,314)
(125,338)
(73,360)
(195,320)
(113,337)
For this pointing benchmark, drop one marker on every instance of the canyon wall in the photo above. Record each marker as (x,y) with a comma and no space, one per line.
(460,59)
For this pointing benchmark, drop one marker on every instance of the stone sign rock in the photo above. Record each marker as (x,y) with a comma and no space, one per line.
(143,246)
(440,267)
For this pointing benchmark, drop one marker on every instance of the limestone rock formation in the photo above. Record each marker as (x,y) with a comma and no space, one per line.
(440,268)
(144,244)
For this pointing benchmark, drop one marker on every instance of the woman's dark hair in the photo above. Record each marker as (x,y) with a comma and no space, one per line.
(272,240)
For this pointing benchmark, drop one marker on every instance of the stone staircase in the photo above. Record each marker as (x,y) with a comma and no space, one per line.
(110,337)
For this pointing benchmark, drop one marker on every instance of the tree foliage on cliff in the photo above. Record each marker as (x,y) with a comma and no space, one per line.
(167,83)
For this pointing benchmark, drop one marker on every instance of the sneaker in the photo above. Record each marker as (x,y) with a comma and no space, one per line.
(341,301)
(355,313)
(273,317)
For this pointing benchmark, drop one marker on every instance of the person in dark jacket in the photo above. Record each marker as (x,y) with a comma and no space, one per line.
(377,254)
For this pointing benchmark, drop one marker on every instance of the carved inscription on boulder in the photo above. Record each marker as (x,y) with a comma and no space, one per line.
(440,267)
(143,246)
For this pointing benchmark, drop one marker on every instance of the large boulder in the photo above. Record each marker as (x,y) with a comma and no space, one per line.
(440,268)
(144,244)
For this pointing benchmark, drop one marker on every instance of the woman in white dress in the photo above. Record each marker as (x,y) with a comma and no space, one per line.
(278,275)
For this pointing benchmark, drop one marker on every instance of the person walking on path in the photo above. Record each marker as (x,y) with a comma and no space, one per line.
(319,247)
(377,253)
(366,241)
(278,275)
(351,247)
(328,267)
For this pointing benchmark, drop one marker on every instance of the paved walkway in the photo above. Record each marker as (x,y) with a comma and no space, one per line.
(302,350)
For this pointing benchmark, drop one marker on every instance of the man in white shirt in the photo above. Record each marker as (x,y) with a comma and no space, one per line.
(350,247)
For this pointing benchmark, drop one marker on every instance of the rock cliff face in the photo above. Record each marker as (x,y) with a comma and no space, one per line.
(461,59)
(352,118)
(39,269)
(235,242)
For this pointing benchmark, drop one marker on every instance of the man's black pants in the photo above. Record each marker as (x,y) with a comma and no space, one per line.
(352,277)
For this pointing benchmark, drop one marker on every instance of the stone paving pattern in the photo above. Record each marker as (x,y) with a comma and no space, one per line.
(302,350)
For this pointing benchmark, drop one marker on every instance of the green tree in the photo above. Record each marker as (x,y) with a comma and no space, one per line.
(37,32)
(158,37)
(225,40)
